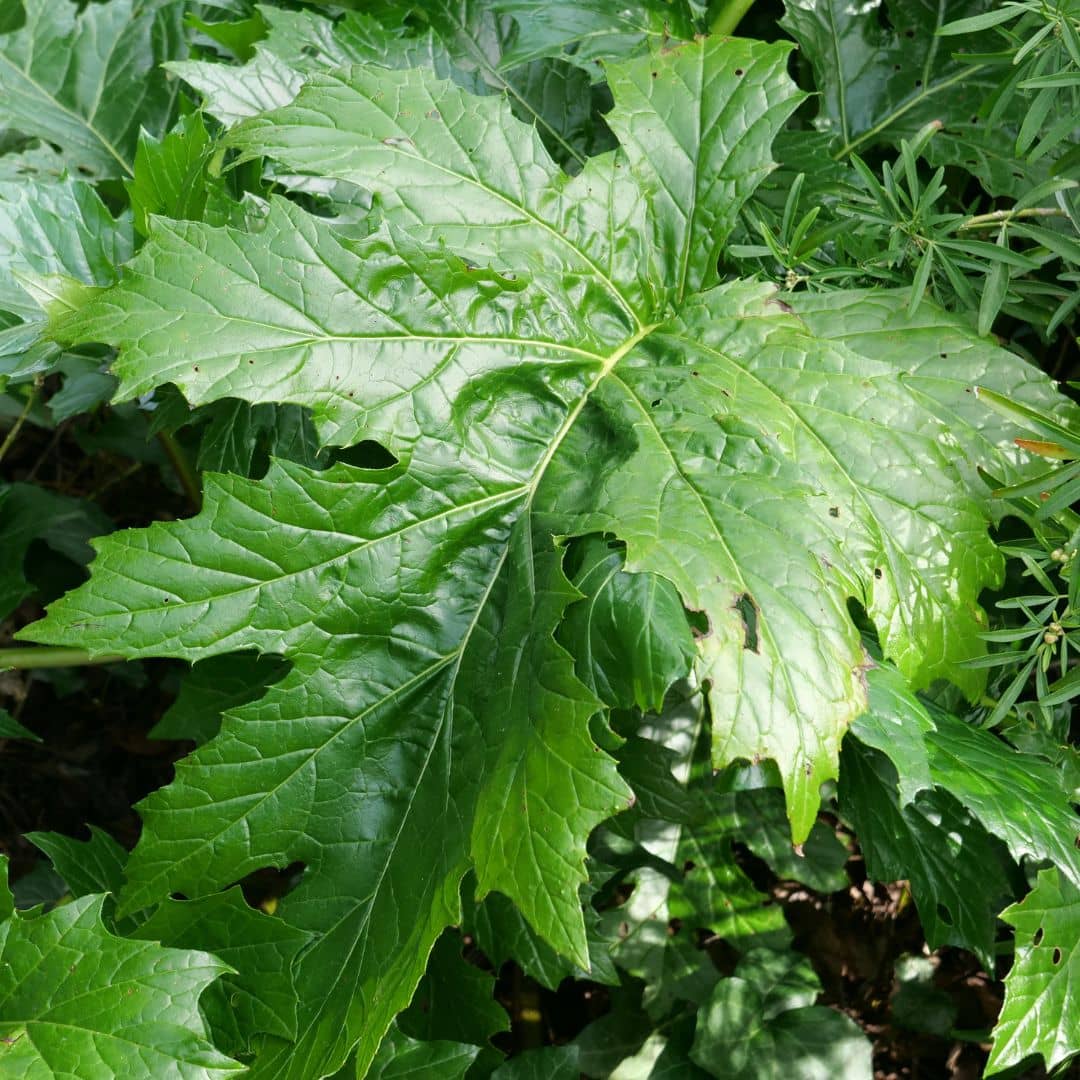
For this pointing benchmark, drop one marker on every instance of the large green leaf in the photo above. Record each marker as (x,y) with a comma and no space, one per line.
(84,81)
(429,712)
(77,1001)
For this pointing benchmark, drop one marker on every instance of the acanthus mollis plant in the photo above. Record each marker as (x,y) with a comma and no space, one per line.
(606,473)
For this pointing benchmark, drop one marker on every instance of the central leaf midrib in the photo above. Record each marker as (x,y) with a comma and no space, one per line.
(80,120)
(531,215)
(456,658)
(457,654)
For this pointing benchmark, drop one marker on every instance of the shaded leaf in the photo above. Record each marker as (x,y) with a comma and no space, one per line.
(455,1000)
(629,634)
(400,1057)
(212,687)
(10,728)
(87,866)
(260,996)
(873,75)
(758,1024)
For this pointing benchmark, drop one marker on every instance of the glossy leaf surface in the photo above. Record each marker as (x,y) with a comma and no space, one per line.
(542,357)
(130,1002)
(82,80)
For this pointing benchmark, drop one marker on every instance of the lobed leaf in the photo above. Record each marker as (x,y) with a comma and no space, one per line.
(77,1001)
(542,357)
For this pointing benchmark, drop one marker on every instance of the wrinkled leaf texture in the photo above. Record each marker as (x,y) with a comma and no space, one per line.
(77,1001)
(544,356)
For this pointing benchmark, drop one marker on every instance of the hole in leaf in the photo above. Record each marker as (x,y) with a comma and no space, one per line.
(1056,957)
(739,73)
(366,455)
(688,866)
(834,511)
(657,403)
(264,888)
(748,612)
(878,573)
(1037,939)
(944,914)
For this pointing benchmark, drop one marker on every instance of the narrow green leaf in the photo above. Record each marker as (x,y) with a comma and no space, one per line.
(1006,13)
(10,728)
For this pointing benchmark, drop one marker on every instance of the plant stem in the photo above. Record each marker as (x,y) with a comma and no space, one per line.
(13,434)
(729,15)
(44,656)
(187,476)
(983,221)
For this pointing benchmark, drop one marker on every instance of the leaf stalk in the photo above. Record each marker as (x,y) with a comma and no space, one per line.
(44,656)
(729,15)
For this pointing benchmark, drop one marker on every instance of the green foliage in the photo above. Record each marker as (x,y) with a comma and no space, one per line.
(76,1000)
(600,464)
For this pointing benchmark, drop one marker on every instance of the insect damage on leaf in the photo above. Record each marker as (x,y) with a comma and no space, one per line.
(539,358)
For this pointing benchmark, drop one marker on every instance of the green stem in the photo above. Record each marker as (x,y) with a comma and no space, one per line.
(189,479)
(13,434)
(982,221)
(45,656)
(728,16)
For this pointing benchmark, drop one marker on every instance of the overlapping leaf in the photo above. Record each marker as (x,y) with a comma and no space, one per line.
(544,357)
(1020,800)
(77,1001)
(875,73)
(83,80)
(463,40)
(47,229)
